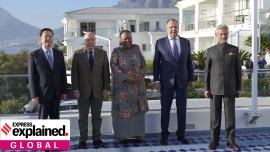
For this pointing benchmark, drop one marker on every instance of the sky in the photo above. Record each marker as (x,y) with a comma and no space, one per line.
(48,13)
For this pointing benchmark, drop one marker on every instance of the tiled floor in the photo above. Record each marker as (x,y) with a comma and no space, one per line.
(249,140)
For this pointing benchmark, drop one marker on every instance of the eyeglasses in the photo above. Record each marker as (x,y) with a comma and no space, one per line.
(90,39)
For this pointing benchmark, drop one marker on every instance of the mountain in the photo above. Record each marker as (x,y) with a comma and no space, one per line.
(146,3)
(12,28)
(16,35)
(59,31)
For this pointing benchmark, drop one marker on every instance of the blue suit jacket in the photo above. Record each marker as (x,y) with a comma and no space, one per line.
(166,69)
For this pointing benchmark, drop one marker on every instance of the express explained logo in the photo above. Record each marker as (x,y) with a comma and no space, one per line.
(28,129)
(6,129)
(35,134)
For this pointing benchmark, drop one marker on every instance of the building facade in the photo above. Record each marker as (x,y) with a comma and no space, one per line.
(146,25)
(199,18)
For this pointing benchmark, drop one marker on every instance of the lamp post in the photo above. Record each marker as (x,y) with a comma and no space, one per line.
(109,42)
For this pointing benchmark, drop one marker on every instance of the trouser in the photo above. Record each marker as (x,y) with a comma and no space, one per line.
(84,106)
(216,113)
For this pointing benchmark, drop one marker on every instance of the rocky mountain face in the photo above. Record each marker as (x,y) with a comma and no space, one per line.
(16,35)
(12,28)
(146,3)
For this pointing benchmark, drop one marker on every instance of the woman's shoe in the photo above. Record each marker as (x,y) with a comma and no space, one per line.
(123,141)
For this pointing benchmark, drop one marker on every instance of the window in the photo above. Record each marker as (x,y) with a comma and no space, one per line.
(247,4)
(87,27)
(143,47)
(157,25)
(122,25)
(144,26)
(132,28)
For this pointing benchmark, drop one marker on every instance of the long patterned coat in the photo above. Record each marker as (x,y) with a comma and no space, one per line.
(128,98)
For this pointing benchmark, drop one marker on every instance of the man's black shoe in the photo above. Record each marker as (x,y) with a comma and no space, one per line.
(183,139)
(213,145)
(82,145)
(234,146)
(164,140)
(99,143)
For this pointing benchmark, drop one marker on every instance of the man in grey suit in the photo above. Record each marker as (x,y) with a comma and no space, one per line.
(173,73)
(47,77)
(90,82)
(222,81)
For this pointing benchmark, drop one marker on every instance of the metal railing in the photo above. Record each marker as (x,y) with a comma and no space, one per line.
(14,88)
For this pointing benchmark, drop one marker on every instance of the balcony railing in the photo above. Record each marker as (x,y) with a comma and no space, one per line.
(208,22)
(188,26)
(76,32)
(237,17)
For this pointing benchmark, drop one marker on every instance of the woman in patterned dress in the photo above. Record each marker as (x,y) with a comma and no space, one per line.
(129,102)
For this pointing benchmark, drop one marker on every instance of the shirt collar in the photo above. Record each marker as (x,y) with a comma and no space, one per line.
(88,50)
(44,49)
(177,38)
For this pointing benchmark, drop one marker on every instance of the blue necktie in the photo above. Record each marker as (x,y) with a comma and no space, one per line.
(175,50)
(50,59)
(91,59)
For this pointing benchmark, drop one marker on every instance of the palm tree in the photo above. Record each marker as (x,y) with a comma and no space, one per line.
(200,57)
(244,55)
(264,42)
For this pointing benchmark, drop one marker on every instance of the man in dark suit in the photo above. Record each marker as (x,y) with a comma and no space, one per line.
(173,73)
(222,81)
(47,77)
(90,82)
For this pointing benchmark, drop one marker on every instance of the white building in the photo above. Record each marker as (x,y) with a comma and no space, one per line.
(199,18)
(146,25)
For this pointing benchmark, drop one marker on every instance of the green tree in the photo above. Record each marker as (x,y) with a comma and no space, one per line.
(13,106)
(64,50)
(68,64)
(149,67)
(14,63)
(200,57)
(244,55)
(56,46)
(13,88)
(264,39)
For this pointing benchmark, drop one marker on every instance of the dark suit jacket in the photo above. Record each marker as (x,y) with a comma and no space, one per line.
(43,81)
(223,70)
(85,80)
(166,69)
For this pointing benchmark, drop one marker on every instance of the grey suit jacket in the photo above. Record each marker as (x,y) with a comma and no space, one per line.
(223,70)
(166,69)
(43,81)
(85,80)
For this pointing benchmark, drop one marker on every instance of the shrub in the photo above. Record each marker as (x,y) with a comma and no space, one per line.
(149,67)
(13,106)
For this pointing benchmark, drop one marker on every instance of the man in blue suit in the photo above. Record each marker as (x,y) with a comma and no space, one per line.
(47,77)
(173,73)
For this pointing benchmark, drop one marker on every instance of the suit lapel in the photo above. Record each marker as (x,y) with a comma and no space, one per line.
(85,58)
(169,48)
(55,57)
(182,45)
(96,56)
